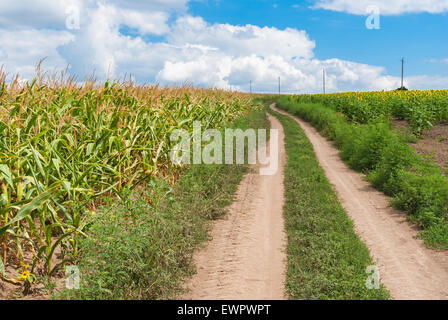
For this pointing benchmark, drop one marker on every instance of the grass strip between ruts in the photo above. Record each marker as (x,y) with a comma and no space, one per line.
(326,259)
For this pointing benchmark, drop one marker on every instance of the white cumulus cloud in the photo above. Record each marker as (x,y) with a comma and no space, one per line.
(21,50)
(242,40)
(387,7)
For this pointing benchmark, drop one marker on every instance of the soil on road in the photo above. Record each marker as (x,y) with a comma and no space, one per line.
(246,257)
(407,268)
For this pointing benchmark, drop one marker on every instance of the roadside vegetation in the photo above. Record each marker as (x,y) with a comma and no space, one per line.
(416,184)
(137,249)
(326,259)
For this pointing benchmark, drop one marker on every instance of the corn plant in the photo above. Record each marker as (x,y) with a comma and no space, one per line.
(64,147)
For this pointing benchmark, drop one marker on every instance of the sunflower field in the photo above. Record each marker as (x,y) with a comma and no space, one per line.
(422,109)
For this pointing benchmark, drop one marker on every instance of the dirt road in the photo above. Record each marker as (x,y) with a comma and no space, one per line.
(407,268)
(246,258)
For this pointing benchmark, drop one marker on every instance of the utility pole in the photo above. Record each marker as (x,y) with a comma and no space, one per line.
(278,85)
(323,79)
(402,73)
(250,86)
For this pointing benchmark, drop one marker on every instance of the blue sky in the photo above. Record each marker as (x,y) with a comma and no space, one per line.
(227,43)
(420,38)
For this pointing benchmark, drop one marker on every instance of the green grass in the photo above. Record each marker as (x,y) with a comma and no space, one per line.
(416,184)
(326,259)
(141,250)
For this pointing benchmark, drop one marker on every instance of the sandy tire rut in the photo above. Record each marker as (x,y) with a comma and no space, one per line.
(246,257)
(407,268)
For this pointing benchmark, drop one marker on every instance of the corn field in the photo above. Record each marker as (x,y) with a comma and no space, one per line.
(64,146)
